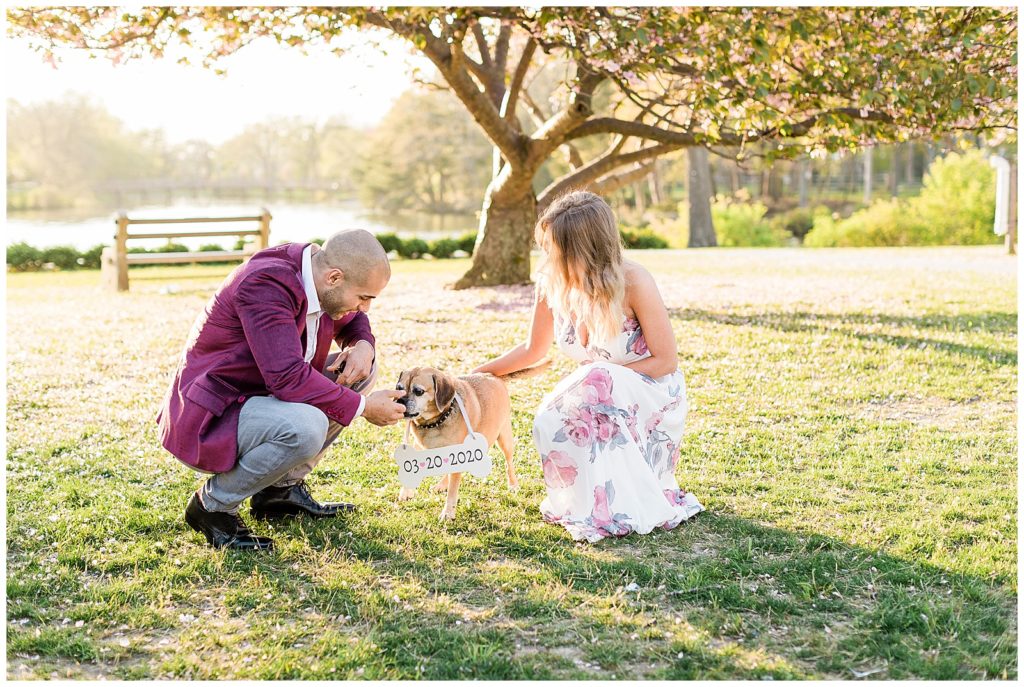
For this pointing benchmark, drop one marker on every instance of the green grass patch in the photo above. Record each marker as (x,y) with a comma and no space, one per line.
(851,432)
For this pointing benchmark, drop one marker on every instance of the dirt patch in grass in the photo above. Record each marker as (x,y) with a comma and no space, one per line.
(934,412)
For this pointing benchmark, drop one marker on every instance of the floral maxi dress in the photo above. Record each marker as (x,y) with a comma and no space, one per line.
(609,440)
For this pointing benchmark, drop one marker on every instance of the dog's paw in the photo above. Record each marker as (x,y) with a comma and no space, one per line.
(406,494)
(447,515)
(513,487)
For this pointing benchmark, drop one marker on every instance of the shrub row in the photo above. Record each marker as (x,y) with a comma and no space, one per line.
(956,206)
(22,257)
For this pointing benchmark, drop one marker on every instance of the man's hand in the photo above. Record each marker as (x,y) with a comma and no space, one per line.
(357,359)
(381,409)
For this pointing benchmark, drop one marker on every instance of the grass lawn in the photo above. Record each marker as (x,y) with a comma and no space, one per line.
(852,433)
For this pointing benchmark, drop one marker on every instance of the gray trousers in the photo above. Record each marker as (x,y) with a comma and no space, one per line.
(279,443)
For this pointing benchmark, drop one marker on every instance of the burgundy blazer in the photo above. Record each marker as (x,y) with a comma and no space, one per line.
(249,341)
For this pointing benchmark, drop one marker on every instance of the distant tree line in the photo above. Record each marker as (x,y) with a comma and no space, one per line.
(424,156)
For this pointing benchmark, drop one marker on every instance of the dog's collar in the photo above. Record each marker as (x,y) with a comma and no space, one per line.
(440,420)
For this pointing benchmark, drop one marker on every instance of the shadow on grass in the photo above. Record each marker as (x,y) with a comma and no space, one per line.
(477,599)
(847,323)
(753,601)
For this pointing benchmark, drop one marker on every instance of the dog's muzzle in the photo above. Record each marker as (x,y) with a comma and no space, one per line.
(405,401)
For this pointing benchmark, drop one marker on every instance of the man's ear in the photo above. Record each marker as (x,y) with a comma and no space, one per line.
(444,391)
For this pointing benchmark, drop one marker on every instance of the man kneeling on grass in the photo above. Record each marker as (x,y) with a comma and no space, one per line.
(257,399)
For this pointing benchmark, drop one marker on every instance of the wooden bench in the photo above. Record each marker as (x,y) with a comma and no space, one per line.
(116,259)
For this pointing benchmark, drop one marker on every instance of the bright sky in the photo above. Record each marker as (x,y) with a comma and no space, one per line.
(263,80)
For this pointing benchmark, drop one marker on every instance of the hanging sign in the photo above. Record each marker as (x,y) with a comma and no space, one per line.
(472,456)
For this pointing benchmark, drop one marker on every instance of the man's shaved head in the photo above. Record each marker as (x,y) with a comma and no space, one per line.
(357,253)
(349,271)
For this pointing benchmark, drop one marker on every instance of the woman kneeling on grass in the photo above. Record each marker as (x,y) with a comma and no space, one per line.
(609,433)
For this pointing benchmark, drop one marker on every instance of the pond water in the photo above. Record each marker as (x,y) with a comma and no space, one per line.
(291,222)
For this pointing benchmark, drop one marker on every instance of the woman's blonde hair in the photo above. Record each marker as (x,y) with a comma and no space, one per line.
(581,274)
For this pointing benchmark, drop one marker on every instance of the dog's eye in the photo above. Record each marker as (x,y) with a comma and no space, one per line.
(418,392)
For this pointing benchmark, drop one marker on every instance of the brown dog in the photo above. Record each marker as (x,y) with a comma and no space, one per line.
(437,421)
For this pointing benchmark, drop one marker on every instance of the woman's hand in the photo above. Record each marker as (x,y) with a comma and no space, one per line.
(542,332)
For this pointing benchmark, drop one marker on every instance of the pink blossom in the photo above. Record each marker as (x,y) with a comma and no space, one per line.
(631,422)
(597,386)
(676,497)
(605,427)
(579,426)
(639,345)
(559,469)
(653,421)
(601,514)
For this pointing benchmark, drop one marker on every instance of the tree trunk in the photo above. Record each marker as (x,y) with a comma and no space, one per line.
(867,175)
(702,230)
(774,185)
(503,241)
(654,183)
(641,199)
(894,171)
(803,171)
(909,176)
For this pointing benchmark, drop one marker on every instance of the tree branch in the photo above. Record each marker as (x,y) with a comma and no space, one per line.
(607,125)
(508,105)
(501,48)
(490,72)
(613,182)
(557,129)
(451,62)
(481,42)
(478,70)
(602,165)
(539,117)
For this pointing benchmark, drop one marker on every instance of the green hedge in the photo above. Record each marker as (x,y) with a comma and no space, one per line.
(22,257)
(743,224)
(642,238)
(956,206)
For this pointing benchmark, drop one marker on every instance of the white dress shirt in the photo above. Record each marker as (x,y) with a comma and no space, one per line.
(313,313)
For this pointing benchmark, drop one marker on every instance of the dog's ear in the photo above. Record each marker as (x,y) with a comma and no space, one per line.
(444,391)
(400,375)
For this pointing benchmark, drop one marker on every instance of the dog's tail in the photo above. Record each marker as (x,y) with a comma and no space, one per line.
(527,372)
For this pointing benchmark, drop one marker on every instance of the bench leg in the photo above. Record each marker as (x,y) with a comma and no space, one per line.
(113,276)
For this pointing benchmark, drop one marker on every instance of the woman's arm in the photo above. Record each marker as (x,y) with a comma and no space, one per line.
(644,299)
(542,332)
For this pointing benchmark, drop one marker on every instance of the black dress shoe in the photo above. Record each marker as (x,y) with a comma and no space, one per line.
(277,502)
(224,530)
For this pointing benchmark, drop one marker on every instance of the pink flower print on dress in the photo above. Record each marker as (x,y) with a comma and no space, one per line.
(676,497)
(602,516)
(579,426)
(653,421)
(639,345)
(559,470)
(597,386)
(631,421)
(605,427)
(674,453)
(631,325)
